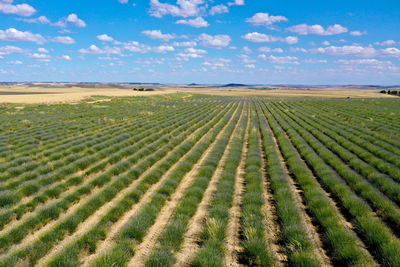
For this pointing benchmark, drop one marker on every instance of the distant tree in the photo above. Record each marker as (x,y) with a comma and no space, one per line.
(383,92)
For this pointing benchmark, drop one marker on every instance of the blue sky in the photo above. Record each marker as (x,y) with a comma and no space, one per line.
(201,41)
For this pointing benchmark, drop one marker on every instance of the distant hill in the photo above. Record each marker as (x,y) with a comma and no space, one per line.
(234,85)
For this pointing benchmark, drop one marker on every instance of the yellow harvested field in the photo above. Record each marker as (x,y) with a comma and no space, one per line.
(37,95)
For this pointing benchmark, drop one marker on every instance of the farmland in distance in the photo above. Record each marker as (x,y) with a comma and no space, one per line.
(184,179)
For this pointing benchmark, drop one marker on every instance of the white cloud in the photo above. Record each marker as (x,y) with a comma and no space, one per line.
(216,41)
(250,66)
(157,34)
(185,44)
(358,51)
(280,60)
(66,57)
(40,20)
(123,1)
(105,38)
(15,35)
(198,22)
(264,19)
(304,29)
(41,57)
(368,63)
(217,63)
(358,33)
(315,61)
(9,49)
(43,50)
(266,49)
(219,9)
(256,37)
(237,3)
(94,50)
(63,40)
(184,8)
(23,10)
(17,62)
(163,49)
(386,43)
(72,18)
(326,43)
(190,53)
(245,59)
(247,50)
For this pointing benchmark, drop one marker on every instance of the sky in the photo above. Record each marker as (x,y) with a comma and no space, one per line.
(201,41)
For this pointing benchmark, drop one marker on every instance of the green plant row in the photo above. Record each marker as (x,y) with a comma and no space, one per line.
(212,250)
(173,235)
(381,241)
(113,155)
(299,248)
(344,247)
(145,157)
(191,149)
(40,247)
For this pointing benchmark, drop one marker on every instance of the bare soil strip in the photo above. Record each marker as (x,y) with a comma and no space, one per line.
(192,236)
(165,213)
(232,232)
(312,230)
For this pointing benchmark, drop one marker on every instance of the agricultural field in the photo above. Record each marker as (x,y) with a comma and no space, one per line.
(184,179)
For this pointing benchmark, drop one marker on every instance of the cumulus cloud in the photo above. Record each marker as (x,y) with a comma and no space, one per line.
(257,37)
(190,53)
(216,41)
(72,18)
(313,61)
(41,57)
(304,29)
(246,59)
(16,62)
(94,50)
(9,49)
(185,44)
(40,20)
(105,38)
(217,63)
(237,3)
(42,50)
(219,9)
(266,49)
(264,19)
(157,34)
(368,64)
(250,66)
(163,49)
(358,33)
(280,60)
(198,22)
(23,10)
(63,40)
(386,43)
(357,51)
(123,1)
(15,35)
(184,8)
(66,57)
